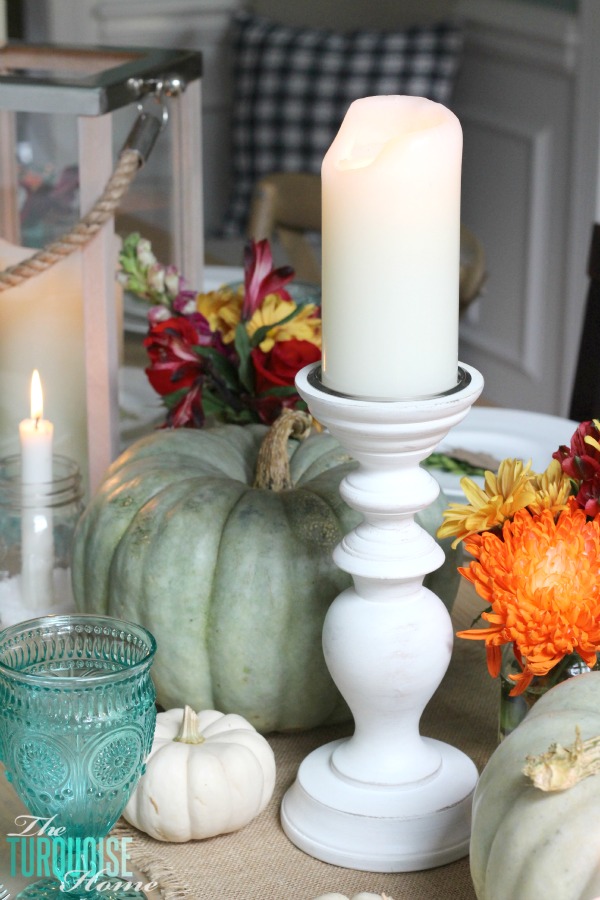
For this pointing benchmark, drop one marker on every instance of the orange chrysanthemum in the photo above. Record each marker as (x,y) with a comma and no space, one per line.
(541,578)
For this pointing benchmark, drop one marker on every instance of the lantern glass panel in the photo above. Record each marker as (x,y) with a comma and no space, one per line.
(65,115)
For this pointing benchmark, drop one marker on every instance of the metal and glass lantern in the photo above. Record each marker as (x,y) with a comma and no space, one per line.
(64,320)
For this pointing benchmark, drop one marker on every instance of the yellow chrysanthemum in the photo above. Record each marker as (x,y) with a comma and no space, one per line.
(541,579)
(552,489)
(489,507)
(222,309)
(305,326)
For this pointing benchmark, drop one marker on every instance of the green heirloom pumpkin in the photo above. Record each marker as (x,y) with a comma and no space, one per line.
(526,843)
(234,580)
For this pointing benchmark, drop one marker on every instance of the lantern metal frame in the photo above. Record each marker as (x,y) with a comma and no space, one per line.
(92,83)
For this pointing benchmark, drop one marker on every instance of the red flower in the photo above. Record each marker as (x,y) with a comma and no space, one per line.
(260,278)
(173,362)
(175,366)
(588,496)
(193,369)
(188,413)
(277,369)
(582,459)
(581,462)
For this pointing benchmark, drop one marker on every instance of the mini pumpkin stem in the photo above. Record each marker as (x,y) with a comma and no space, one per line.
(273,464)
(189,733)
(561,767)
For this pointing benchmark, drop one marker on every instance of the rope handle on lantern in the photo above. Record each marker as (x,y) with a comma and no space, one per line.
(135,152)
(83,231)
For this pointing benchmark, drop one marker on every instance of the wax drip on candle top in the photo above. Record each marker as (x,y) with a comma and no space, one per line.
(395,127)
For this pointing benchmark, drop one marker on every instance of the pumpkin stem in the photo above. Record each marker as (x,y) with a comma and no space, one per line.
(273,464)
(189,733)
(561,767)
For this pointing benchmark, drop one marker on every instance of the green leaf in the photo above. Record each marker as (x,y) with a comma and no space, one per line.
(171,400)
(212,405)
(129,265)
(220,409)
(221,366)
(243,348)
(447,463)
(261,333)
(280,391)
(131,242)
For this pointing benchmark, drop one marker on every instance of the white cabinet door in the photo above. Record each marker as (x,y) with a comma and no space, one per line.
(527,108)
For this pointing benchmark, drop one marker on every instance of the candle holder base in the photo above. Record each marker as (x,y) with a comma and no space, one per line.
(379,828)
(386,799)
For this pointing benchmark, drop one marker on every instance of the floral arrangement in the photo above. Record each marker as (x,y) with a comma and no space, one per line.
(230,354)
(535,543)
(48,202)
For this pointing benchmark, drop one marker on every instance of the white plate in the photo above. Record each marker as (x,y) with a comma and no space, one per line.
(135,311)
(502,433)
(140,407)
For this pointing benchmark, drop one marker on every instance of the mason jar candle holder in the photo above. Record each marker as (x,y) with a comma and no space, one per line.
(37,524)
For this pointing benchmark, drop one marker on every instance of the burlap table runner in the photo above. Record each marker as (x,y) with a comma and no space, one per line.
(260,863)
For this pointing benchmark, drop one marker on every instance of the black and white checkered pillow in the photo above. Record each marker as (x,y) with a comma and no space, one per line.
(293,86)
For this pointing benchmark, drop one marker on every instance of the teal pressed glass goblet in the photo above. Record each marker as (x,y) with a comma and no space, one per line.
(77,717)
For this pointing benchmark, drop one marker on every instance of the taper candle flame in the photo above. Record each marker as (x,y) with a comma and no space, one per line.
(37,397)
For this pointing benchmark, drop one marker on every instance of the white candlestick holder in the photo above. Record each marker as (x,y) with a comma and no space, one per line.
(386,799)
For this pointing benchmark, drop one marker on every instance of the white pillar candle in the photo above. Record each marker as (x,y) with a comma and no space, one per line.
(391,250)
(41,326)
(37,540)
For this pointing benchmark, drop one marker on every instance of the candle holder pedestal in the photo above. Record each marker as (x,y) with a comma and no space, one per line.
(386,799)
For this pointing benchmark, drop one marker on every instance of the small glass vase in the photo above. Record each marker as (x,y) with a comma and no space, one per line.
(514,709)
(37,524)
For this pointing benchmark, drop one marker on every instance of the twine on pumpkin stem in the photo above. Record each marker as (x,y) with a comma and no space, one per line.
(273,464)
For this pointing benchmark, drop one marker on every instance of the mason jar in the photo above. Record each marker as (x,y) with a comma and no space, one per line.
(37,524)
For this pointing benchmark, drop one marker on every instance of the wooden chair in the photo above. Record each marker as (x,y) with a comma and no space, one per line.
(287,206)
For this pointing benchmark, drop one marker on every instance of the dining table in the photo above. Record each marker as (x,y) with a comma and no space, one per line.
(259,862)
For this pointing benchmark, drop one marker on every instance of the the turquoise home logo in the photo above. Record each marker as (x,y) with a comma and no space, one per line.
(81,863)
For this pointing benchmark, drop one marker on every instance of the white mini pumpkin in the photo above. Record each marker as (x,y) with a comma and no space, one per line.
(207,774)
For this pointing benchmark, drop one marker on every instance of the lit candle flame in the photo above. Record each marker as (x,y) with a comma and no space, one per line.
(37,397)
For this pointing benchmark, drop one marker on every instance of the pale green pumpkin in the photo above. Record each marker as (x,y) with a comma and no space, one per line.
(233,580)
(526,843)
